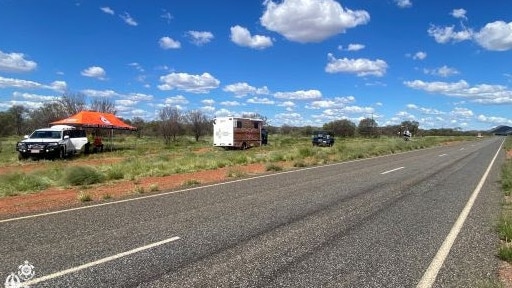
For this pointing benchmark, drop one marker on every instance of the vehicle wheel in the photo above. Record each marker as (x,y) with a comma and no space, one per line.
(22,156)
(62,153)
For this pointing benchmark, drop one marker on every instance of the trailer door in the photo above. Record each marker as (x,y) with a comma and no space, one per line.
(223,131)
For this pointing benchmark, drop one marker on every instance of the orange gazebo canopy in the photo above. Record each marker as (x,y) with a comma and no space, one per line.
(94,119)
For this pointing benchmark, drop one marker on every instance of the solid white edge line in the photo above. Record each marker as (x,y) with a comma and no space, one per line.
(97,262)
(430,275)
(201,187)
(392,170)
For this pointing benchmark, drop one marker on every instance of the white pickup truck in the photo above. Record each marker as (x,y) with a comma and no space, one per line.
(58,141)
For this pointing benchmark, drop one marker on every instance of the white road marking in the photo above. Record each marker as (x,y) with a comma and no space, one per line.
(392,170)
(461,148)
(201,187)
(430,275)
(442,155)
(97,262)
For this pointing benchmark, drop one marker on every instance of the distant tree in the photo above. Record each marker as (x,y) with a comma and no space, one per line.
(342,128)
(47,113)
(171,121)
(257,116)
(198,123)
(17,116)
(5,127)
(412,126)
(140,124)
(73,103)
(367,127)
(103,104)
(307,130)
(391,130)
(286,129)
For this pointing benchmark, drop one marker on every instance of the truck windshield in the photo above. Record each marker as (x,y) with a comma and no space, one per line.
(45,135)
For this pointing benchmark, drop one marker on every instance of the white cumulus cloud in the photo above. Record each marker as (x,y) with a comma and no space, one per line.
(200,37)
(15,62)
(242,37)
(191,83)
(310,20)
(360,67)
(169,43)
(94,72)
(495,36)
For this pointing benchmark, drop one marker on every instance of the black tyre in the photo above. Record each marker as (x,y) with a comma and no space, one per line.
(22,156)
(62,153)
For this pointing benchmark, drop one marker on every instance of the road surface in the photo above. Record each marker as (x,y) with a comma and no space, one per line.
(376,222)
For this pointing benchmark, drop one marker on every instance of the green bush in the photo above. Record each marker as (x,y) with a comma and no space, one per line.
(505,229)
(273,167)
(306,152)
(82,175)
(506,177)
(115,174)
(13,184)
(505,253)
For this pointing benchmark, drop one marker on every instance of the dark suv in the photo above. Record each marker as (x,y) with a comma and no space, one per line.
(322,138)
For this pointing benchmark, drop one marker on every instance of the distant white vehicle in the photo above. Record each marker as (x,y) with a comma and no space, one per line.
(407,135)
(58,141)
(235,132)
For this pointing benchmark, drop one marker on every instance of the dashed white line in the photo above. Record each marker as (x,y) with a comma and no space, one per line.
(442,155)
(392,170)
(97,262)
(430,275)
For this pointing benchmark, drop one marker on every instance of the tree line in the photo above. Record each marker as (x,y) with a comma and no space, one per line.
(172,123)
(20,120)
(369,128)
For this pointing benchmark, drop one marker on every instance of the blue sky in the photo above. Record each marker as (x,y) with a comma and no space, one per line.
(297,62)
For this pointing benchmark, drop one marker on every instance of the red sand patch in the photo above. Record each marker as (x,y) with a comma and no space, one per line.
(58,198)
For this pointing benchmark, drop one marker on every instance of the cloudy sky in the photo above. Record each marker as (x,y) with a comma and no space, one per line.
(297,62)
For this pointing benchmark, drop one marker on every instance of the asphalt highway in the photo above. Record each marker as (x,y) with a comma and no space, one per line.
(376,222)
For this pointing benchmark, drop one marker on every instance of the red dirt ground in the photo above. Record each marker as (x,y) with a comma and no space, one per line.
(59,198)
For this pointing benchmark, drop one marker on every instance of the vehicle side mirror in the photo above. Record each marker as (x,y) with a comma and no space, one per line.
(66,137)
(25,137)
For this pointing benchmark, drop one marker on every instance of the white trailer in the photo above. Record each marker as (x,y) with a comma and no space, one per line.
(236,132)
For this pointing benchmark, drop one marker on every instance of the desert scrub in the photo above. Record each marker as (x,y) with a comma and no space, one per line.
(138,190)
(273,167)
(82,175)
(190,183)
(505,252)
(305,152)
(19,183)
(506,177)
(505,228)
(114,174)
(153,187)
(84,197)
(299,163)
(235,173)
